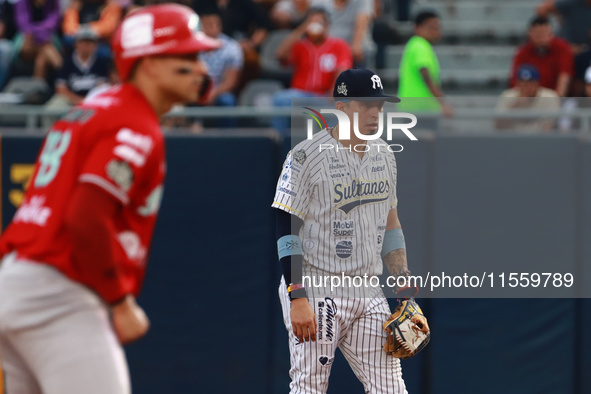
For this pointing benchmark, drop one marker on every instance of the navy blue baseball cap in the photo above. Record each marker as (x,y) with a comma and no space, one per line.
(360,83)
(528,72)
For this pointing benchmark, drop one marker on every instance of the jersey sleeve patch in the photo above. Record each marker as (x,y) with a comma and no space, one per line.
(293,190)
(120,173)
(118,162)
(300,156)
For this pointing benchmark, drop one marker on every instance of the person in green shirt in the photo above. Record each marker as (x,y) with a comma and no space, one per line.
(419,68)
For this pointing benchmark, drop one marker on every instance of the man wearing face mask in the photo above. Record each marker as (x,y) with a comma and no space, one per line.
(317,60)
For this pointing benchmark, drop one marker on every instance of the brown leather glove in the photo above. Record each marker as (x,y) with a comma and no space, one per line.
(407,329)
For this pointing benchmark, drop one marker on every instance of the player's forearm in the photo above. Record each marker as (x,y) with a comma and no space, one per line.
(93,257)
(290,251)
(396,261)
(397,266)
(394,247)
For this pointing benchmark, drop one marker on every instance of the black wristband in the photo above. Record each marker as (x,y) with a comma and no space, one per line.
(299,293)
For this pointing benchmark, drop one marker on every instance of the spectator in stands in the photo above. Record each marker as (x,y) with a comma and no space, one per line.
(246,22)
(102,16)
(224,64)
(588,82)
(575,27)
(7,23)
(317,60)
(582,61)
(36,42)
(419,68)
(112,80)
(351,20)
(288,14)
(575,20)
(7,32)
(83,71)
(551,55)
(383,34)
(527,95)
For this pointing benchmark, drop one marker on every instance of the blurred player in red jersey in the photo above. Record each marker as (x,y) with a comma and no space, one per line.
(75,253)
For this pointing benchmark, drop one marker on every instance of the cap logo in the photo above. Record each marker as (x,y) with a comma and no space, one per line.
(137,31)
(164,31)
(342,89)
(377,82)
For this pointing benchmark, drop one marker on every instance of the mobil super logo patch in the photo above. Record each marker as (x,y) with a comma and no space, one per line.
(344,249)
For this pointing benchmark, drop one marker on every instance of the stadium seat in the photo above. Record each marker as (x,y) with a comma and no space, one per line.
(259,93)
(33,90)
(516,11)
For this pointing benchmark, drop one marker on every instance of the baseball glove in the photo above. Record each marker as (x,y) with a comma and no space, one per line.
(407,329)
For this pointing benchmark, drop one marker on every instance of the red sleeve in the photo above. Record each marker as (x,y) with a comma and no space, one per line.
(345,56)
(117,162)
(89,221)
(566,58)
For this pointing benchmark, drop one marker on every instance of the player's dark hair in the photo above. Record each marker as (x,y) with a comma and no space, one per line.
(210,12)
(319,10)
(425,15)
(133,69)
(539,21)
(208,9)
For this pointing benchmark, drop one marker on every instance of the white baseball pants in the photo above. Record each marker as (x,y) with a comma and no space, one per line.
(55,335)
(355,326)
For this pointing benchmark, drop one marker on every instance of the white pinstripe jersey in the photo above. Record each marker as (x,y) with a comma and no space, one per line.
(344,201)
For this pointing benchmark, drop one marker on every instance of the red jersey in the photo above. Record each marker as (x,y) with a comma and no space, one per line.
(316,66)
(553,61)
(112,141)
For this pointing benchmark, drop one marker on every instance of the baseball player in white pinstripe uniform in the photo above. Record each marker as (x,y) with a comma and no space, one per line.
(336,216)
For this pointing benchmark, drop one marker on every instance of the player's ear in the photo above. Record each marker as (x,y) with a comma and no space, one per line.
(149,65)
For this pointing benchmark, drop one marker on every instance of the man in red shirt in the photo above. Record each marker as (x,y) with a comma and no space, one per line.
(551,55)
(75,253)
(317,60)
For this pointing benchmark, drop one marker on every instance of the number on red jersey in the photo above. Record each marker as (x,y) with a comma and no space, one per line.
(56,144)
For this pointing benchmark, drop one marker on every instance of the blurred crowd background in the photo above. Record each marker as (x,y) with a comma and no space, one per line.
(483,58)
